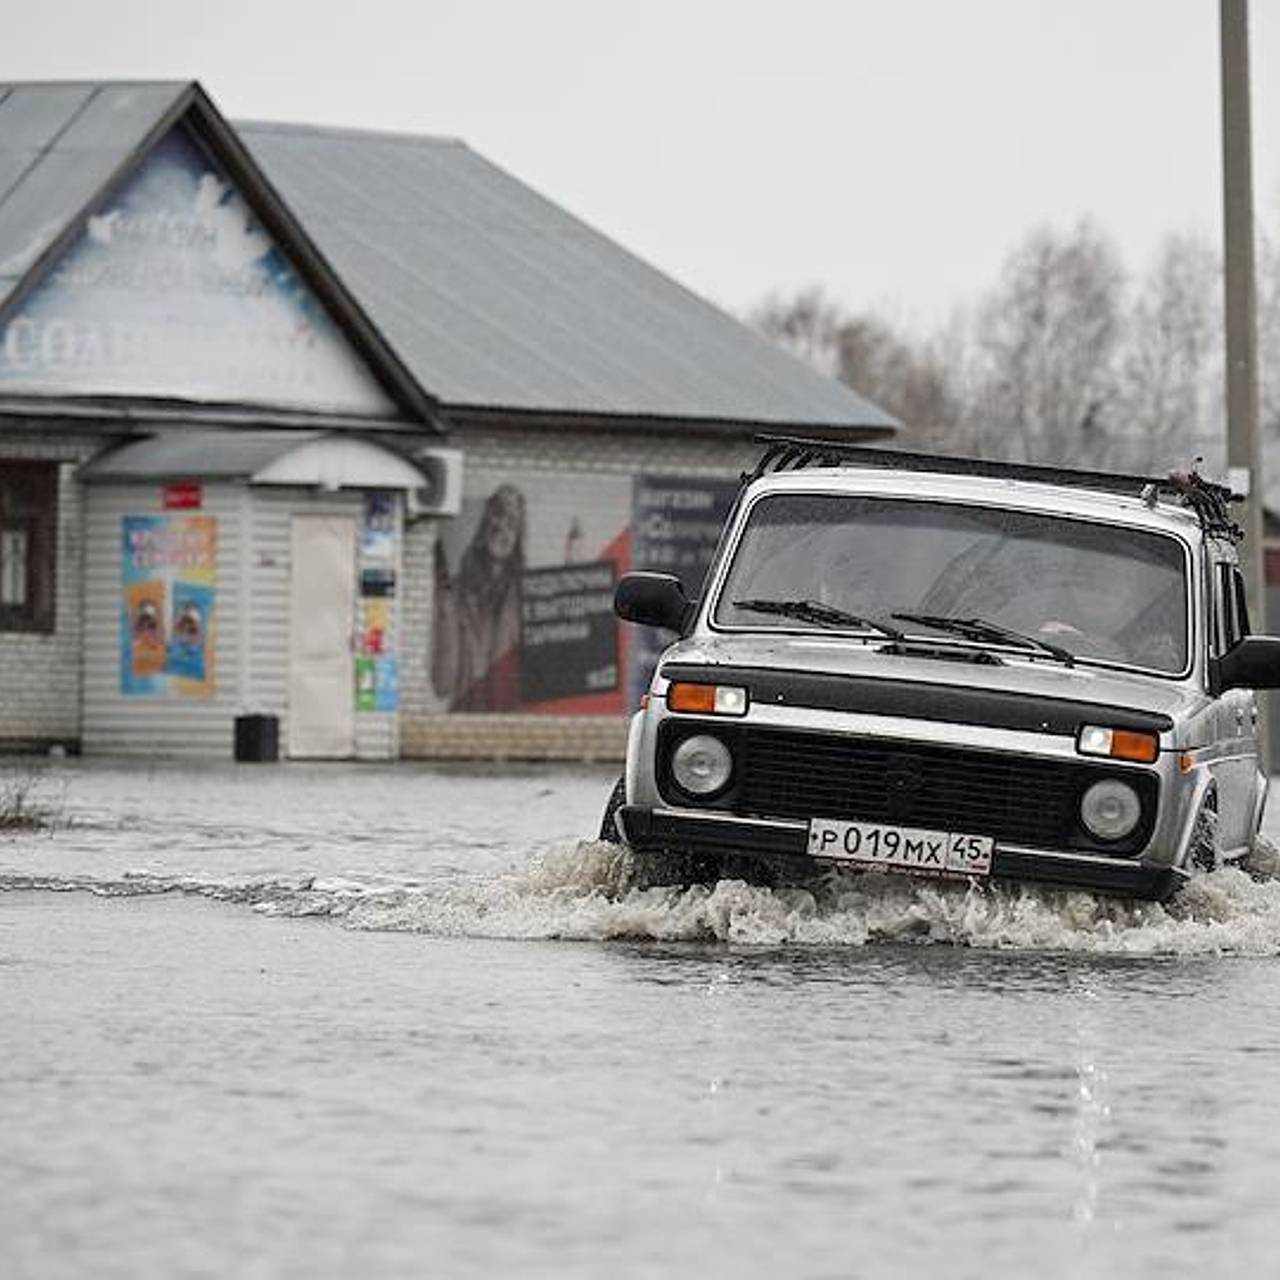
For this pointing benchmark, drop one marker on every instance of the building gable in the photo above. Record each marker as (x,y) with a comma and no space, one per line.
(175,290)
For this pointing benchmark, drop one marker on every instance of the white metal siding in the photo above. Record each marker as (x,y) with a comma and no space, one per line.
(163,724)
(267,668)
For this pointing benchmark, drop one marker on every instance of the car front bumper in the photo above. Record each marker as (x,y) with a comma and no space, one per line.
(652,830)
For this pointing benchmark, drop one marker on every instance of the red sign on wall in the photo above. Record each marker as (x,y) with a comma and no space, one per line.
(184,496)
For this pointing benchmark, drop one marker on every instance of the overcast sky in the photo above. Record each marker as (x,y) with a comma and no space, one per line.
(892,151)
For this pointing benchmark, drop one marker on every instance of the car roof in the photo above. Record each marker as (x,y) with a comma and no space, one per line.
(1163,516)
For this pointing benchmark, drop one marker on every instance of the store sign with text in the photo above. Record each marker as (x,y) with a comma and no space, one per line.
(174,289)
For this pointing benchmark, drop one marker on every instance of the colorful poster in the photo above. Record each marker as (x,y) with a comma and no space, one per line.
(377,533)
(375,626)
(386,684)
(377,674)
(377,684)
(168,599)
(366,684)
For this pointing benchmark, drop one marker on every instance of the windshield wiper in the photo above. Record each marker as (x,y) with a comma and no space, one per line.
(826,615)
(991,632)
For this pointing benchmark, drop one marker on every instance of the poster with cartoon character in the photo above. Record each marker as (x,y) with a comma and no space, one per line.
(167,616)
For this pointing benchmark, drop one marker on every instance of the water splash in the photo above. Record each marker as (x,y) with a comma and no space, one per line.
(585,891)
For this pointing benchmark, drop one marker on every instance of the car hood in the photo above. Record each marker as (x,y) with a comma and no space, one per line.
(842,657)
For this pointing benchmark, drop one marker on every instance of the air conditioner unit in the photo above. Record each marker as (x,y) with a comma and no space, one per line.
(441,495)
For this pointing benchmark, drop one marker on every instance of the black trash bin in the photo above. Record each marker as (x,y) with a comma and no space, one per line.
(257,738)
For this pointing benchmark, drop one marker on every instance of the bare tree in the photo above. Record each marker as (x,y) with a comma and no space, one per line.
(1169,388)
(1048,339)
(903,374)
(807,325)
(1062,361)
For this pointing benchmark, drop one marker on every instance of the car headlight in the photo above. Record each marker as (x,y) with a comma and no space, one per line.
(1110,809)
(701,765)
(1122,744)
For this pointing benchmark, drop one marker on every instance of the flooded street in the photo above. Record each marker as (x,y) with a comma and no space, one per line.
(402,1021)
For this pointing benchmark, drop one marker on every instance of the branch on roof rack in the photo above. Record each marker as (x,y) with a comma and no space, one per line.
(1209,501)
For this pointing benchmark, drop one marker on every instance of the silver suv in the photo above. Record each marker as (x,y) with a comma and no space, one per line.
(952,668)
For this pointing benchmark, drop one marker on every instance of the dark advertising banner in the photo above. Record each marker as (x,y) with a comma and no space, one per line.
(675,528)
(568,632)
(522,606)
(522,601)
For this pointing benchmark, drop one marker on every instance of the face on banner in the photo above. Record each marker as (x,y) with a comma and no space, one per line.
(523,617)
(169,593)
(524,580)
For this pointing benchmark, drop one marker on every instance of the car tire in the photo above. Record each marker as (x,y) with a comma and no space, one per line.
(1202,854)
(608,823)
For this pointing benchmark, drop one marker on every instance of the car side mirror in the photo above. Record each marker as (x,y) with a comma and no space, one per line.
(1253,663)
(653,600)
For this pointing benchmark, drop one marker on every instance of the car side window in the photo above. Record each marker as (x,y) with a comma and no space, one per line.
(1241,604)
(1217,610)
(1230,612)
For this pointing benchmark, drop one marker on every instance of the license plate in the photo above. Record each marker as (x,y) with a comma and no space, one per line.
(906,850)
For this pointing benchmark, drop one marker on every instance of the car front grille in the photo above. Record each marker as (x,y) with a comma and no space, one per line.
(1013,798)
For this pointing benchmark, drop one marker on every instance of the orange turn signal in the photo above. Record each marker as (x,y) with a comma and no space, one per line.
(1129,745)
(708,699)
(692,697)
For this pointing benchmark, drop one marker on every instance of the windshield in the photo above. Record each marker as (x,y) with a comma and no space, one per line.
(1100,592)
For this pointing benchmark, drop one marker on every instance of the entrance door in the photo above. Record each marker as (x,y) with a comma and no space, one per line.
(321,605)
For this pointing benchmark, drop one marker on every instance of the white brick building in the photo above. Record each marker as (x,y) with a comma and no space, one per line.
(347,430)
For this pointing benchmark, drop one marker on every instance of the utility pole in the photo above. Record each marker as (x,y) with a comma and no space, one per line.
(1244,451)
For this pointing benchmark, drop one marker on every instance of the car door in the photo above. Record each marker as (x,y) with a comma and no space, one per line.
(1236,716)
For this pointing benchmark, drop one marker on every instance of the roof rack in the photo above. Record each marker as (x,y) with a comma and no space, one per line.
(1210,501)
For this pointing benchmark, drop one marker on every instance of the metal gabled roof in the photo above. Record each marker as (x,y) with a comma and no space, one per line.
(66,147)
(457,282)
(498,298)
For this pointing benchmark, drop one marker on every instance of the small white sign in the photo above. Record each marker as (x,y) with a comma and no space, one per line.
(910,850)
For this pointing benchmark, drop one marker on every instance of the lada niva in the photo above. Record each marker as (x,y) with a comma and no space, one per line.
(951,668)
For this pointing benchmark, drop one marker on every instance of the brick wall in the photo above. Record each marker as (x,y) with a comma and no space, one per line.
(40,674)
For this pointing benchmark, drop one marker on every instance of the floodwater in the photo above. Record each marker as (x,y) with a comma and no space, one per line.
(344,1021)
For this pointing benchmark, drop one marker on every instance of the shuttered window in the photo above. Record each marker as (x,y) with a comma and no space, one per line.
(28,544)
